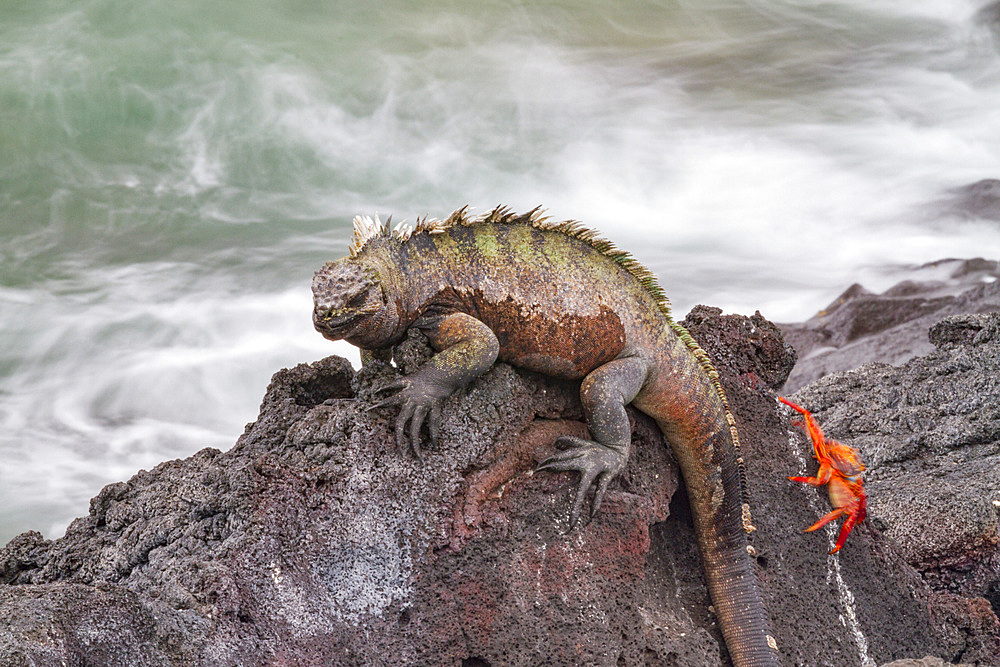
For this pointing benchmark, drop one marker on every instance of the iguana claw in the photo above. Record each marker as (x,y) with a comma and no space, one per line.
(840,467)
(595,462)
(420,401)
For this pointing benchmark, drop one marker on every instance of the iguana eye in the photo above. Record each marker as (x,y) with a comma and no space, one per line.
(358,299)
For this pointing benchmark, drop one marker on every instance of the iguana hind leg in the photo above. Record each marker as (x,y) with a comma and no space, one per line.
(604,393)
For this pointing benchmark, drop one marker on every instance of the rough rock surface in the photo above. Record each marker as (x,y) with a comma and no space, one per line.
(859,327)
(930,434)
(313,541)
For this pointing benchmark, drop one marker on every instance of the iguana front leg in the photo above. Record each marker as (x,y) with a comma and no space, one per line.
(369,356)
(466,349)
(604,393)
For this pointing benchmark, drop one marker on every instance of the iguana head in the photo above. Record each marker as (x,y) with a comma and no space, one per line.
(345,299)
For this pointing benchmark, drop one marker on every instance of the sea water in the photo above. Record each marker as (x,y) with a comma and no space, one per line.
(171,174)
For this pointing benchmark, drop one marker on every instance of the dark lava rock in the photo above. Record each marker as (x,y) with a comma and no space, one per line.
(982,198)
(859,327)
(315,542)
(930,435)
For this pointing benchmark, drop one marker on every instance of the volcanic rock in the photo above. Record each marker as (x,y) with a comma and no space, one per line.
(859,327)
(314,541)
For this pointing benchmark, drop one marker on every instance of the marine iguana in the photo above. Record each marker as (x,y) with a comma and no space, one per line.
(555,298)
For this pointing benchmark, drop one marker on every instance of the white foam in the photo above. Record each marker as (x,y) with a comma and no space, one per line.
(760,156)
(167,379)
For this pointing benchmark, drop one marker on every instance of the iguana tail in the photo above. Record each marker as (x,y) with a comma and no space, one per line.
(721,521)
(706,445)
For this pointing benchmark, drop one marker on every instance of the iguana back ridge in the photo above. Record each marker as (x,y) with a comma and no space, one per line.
(367,228)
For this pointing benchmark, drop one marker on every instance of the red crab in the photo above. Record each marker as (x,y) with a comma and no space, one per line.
(841,468)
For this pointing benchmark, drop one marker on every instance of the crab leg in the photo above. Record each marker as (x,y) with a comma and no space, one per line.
(840,468)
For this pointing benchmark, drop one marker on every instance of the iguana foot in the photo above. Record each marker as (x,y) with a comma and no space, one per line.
(597,464)
(420,401)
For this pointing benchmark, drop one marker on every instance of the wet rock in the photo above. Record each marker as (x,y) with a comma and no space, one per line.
(314,541)
(860,327)
(965,330)
(982,198)
(930,434)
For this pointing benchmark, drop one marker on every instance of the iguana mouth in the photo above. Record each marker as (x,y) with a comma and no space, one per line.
(330,324)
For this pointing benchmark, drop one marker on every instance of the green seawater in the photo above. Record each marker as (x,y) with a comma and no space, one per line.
(171,174)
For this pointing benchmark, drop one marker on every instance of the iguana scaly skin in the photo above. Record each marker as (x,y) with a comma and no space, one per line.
(555,298)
